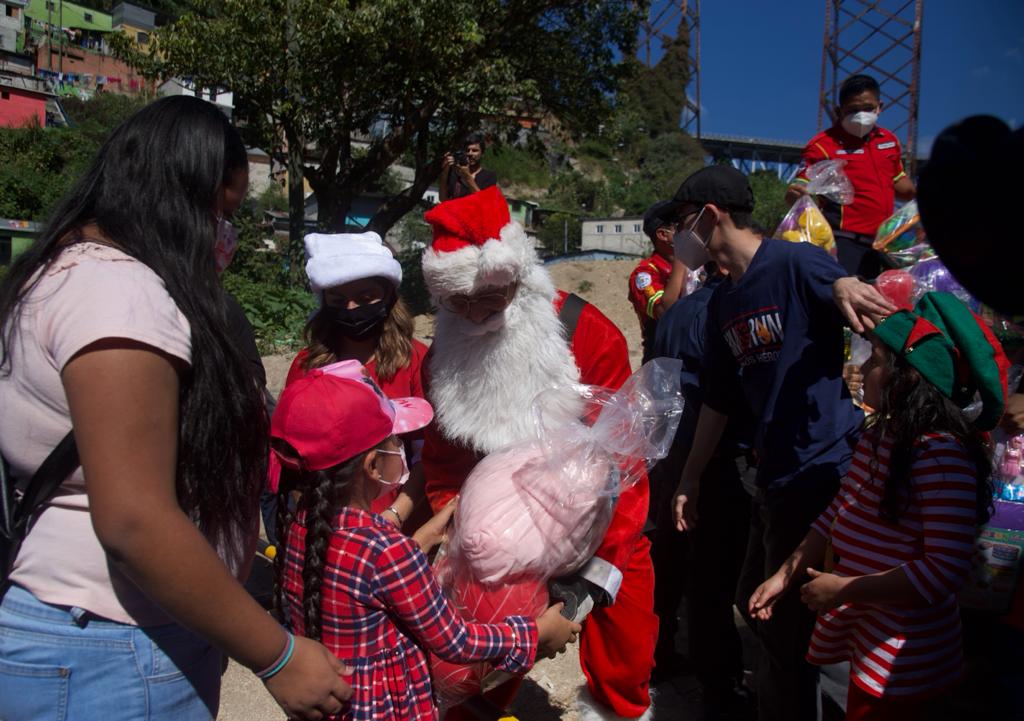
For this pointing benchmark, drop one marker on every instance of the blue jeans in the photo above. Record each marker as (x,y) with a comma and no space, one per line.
(63,663)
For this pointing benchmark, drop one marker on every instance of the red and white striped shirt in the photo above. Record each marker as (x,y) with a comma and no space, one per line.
(901,650)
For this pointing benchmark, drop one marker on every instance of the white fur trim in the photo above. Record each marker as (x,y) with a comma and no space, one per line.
(590,710)
(483,387)
(497,262)
(342,257)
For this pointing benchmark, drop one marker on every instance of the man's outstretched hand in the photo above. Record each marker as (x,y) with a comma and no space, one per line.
(860,303)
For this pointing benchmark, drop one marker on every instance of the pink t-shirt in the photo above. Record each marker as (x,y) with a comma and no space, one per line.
(90,292)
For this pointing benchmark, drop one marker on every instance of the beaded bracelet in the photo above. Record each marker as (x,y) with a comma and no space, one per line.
(286,655)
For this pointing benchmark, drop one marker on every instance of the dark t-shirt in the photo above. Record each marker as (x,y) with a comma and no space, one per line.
(484,179)
(680,334)
(778,335)
(242,335)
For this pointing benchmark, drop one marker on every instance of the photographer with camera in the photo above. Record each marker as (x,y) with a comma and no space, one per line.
(461,172)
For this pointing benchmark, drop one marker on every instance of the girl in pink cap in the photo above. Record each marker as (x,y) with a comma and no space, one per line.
(348,578)
(362,317)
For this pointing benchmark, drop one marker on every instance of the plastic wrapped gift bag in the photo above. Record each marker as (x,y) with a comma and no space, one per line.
(902,238)
(805,223)
(539,509)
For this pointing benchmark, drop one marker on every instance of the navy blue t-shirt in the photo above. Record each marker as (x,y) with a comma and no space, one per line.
(778,335)
(680,334)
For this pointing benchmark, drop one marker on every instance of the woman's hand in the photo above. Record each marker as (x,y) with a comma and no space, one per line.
(310,686)
(823,592)
(554,631)
(435,531)
(763,599)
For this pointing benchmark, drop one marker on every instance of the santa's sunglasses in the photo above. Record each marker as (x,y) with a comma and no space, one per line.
(493,301)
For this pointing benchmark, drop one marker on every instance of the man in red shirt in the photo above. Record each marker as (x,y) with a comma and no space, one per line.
(652,286)
(500,349)
(874,166)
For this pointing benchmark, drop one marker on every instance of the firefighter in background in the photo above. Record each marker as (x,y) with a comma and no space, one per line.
(658,281)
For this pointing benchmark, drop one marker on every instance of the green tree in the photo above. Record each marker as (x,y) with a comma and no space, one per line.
(410,78)
(560,233)
(38,165)
(769,199)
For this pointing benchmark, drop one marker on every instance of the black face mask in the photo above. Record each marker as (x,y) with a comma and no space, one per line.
(362,322)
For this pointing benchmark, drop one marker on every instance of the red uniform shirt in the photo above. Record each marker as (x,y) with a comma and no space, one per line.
(646,287)
(873,164)
(407,382)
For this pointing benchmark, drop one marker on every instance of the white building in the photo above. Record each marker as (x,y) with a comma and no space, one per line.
(221,97)
(11,23)
(618,235)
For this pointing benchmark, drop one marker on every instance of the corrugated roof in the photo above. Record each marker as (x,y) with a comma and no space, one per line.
(69,15)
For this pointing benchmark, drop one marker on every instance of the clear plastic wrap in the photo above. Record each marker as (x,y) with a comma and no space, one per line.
(805,223)
(902,238)
(539,509)
(898,286)
(1008,455)
(932,275)
(827,177)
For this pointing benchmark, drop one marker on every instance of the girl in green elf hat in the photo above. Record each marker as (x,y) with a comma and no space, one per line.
(897,541)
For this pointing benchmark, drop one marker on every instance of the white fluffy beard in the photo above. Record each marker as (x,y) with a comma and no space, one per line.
(484,378)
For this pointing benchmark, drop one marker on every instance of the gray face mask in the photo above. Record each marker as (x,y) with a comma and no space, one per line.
(690,248)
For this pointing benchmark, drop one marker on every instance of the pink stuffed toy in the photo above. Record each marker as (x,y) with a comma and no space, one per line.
(539,509)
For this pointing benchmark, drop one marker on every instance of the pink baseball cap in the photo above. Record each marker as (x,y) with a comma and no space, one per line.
(335,413)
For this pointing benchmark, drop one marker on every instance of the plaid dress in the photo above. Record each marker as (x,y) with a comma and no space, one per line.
(382,611)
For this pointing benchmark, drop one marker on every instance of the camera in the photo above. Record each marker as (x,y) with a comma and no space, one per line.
(460,157)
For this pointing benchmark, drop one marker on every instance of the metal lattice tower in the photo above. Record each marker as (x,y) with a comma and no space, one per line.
(881,38)
(665,20)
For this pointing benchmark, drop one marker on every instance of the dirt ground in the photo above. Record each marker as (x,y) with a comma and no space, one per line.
(550,688)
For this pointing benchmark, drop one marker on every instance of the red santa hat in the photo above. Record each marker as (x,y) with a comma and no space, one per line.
(476,244)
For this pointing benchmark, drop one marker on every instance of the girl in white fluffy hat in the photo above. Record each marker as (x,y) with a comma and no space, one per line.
(363,318)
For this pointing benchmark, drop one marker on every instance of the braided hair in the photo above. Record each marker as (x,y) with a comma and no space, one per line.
(321,495)
(909,408)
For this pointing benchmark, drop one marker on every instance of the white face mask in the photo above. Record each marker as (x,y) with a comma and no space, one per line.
(860,123)
(405,467)
(690,249)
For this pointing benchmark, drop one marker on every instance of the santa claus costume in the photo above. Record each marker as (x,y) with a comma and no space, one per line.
(483,379)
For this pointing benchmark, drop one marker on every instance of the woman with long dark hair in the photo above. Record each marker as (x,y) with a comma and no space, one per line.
(362,317)
(125,589)
(896,544)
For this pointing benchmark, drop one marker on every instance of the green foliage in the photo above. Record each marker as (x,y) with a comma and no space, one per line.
(96,117)
(415,235)
(585,286)
(560,233)
(258,278)
(272,198)
(518,166)
(420,73)
(38,165)
(769,199)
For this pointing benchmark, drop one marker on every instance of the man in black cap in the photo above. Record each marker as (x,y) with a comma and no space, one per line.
(775,335)
(656,283)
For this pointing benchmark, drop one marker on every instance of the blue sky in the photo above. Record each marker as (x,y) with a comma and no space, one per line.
(761,65)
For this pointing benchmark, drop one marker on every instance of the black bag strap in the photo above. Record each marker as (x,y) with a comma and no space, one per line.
(44,482)
(570,314)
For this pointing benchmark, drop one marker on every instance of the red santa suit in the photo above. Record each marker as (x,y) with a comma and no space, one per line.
(483,381)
